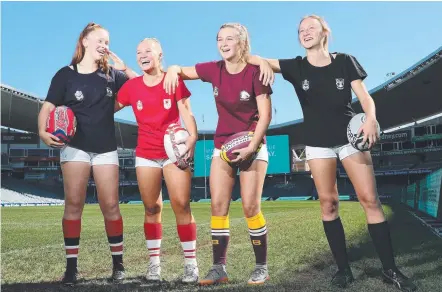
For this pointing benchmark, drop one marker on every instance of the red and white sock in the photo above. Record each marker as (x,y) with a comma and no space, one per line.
(153,233)
(187,234)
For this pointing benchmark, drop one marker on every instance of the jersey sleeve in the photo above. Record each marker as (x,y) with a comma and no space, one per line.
(123,96)
(182,91)
(206,70)
(258,87)
(57,89)
(289,69)
(120,79)
(354,69)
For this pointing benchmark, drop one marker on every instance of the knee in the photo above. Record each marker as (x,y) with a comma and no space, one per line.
(182,207)
(153,209)
(251,209)
(330,207)
(369,200)
(111,210)
(73,209)
(220,208)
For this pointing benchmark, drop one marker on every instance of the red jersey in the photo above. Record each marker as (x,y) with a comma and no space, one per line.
(154,110)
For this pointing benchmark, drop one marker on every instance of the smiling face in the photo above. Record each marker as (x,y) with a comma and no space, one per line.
(149,55)
(311,33)
(96,44)
(229,44)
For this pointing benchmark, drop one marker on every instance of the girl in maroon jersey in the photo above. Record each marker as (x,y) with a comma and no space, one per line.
(155,110)
(323,83)
(243,104)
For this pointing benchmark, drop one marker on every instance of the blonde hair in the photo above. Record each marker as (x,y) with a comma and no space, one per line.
(325,28)
(243,36)
(160,50)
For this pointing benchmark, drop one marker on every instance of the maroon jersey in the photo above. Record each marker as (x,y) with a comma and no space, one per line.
(235,97)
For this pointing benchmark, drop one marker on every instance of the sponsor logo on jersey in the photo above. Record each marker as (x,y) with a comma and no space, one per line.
(109,92)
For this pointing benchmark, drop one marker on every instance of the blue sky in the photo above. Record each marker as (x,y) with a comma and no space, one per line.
(37,39)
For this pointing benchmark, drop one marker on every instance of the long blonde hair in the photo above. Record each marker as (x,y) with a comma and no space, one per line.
(325,28)
(160,50)
(80,50)
(243,36)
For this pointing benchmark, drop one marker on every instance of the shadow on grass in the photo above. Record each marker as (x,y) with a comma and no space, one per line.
(418,255)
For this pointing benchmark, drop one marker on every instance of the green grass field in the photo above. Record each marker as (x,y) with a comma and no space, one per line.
(33,259)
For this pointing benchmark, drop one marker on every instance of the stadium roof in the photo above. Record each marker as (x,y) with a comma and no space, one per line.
(415,93)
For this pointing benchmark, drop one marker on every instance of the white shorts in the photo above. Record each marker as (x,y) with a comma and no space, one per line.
(340,151)
(263,154)
(68,154)
(159,163)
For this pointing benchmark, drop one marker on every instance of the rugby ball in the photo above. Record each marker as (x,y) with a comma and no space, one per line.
(236,142)
(352,132)
(62,123)
(174,143)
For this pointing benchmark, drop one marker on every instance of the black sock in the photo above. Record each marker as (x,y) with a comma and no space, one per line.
(71,264)
(380,234)
(336,239)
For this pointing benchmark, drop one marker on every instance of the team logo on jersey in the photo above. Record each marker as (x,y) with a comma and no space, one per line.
(244,96)
(167,103)
(139,105)
(109,92)
(340,83)
(305,85)
(215,91)
(79,95)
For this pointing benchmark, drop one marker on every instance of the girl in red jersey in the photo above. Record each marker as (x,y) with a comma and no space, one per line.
(155,110)
(243,104)
(88,86)
(323,83)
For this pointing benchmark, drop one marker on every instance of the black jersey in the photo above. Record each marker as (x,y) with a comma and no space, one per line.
(325,96)
(91,97)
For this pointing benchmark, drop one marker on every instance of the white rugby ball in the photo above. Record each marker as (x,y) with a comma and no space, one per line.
(352,131)
(176,134)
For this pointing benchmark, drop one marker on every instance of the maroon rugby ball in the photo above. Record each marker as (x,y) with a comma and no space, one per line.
(236,142)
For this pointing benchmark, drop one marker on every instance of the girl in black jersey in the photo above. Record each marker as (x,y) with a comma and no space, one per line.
(89,86)
(323,83)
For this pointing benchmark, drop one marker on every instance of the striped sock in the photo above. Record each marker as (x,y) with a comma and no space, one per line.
(71,233)
(258,236)
(187,234)
(114,231)
(153,233)
(220,238)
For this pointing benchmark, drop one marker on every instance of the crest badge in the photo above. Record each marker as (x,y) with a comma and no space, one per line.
(340,83)
(305,85)
(139,105)
(244,96)
(167,103)
(79,95)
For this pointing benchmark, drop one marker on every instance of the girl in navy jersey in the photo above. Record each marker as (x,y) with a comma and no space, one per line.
(155,110)
(323,83)
(243,104)
(88,86)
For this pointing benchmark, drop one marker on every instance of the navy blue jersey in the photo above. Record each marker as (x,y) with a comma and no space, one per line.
(91,97)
